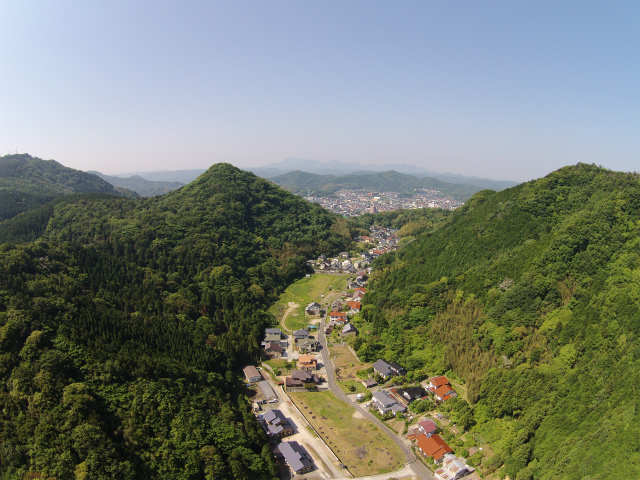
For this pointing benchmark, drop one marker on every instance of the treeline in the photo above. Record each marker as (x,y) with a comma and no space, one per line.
(531,298)
(124,325)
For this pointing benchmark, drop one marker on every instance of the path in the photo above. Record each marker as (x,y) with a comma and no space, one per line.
(292,307)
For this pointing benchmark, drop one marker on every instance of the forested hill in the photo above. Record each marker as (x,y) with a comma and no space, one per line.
(531,297)
(391,181)
(28,182)
(124,326)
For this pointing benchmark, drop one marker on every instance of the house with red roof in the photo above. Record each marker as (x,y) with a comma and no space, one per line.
(433,446)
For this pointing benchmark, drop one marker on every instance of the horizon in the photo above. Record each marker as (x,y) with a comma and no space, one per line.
(500,90)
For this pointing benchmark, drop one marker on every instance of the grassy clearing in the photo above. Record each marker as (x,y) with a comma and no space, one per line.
(359,444)
(305,291)
(359,387)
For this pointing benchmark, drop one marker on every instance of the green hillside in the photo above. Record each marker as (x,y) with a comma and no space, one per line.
(531,298)
(28,182)
(124,325)
(391,181)
(135,183)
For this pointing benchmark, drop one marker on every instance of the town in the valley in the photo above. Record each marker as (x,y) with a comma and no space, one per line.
(351,203)
(331,416)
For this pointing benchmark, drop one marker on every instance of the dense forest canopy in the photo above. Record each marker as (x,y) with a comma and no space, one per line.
(28,182)
(531,297)
(124,323)
(303,183)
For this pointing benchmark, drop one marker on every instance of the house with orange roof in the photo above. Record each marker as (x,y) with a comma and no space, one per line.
(433,446)
(307,362)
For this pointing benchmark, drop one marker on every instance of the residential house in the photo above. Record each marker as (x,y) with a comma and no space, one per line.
(273,349)
(441,388)
(383,369)
(313,308)
(428,427)
(354,306)
(336,316)
(296,457)
(300,335)
(387,404)
(307,362)
(322,258)
(252,374)
(276,424)
(397,369)
(324,266)
(433,446)
(346,263)
(452,468)
(349,331)
(267,391)
(357,296)
(444,393)
(436,382)
(335,262)
(308,345)
(344,254)
(353,285)
(411,394)
(301,378)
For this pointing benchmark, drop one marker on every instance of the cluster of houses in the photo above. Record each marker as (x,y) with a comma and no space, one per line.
(340,318)
(295,456)
(274,344)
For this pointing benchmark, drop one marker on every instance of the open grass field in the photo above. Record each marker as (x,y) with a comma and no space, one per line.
(359,444)
(303,292)
(347,365)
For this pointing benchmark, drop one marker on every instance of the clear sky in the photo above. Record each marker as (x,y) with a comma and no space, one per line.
(505,90)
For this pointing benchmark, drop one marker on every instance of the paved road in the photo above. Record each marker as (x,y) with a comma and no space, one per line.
(418,468)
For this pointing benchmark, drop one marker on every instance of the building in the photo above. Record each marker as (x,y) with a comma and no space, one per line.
(383,369)
(427,427)
(273,349)
(296,457)
(277,425)
(369,383)
(313,308)
(387,404)
(396,368)
(433,446)
(336,316)
(252,374)
(307,362)
(349,331)
(452,468)
(308,345)
(300,334)
(267,391)
(301,379)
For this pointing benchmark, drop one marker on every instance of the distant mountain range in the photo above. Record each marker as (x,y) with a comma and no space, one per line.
(143,187)
(335,168)
(391,181)
(338,168)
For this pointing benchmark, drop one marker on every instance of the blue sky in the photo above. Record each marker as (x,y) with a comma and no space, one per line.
(505,90)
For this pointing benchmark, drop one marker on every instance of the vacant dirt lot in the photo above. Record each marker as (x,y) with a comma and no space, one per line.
(359,444)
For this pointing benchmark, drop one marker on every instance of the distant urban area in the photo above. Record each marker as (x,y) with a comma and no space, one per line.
(351,203)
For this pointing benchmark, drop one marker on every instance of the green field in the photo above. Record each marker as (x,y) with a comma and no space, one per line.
(359,444)
(305,291)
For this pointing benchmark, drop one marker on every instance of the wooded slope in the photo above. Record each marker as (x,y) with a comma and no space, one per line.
(531,296)
(124,326)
